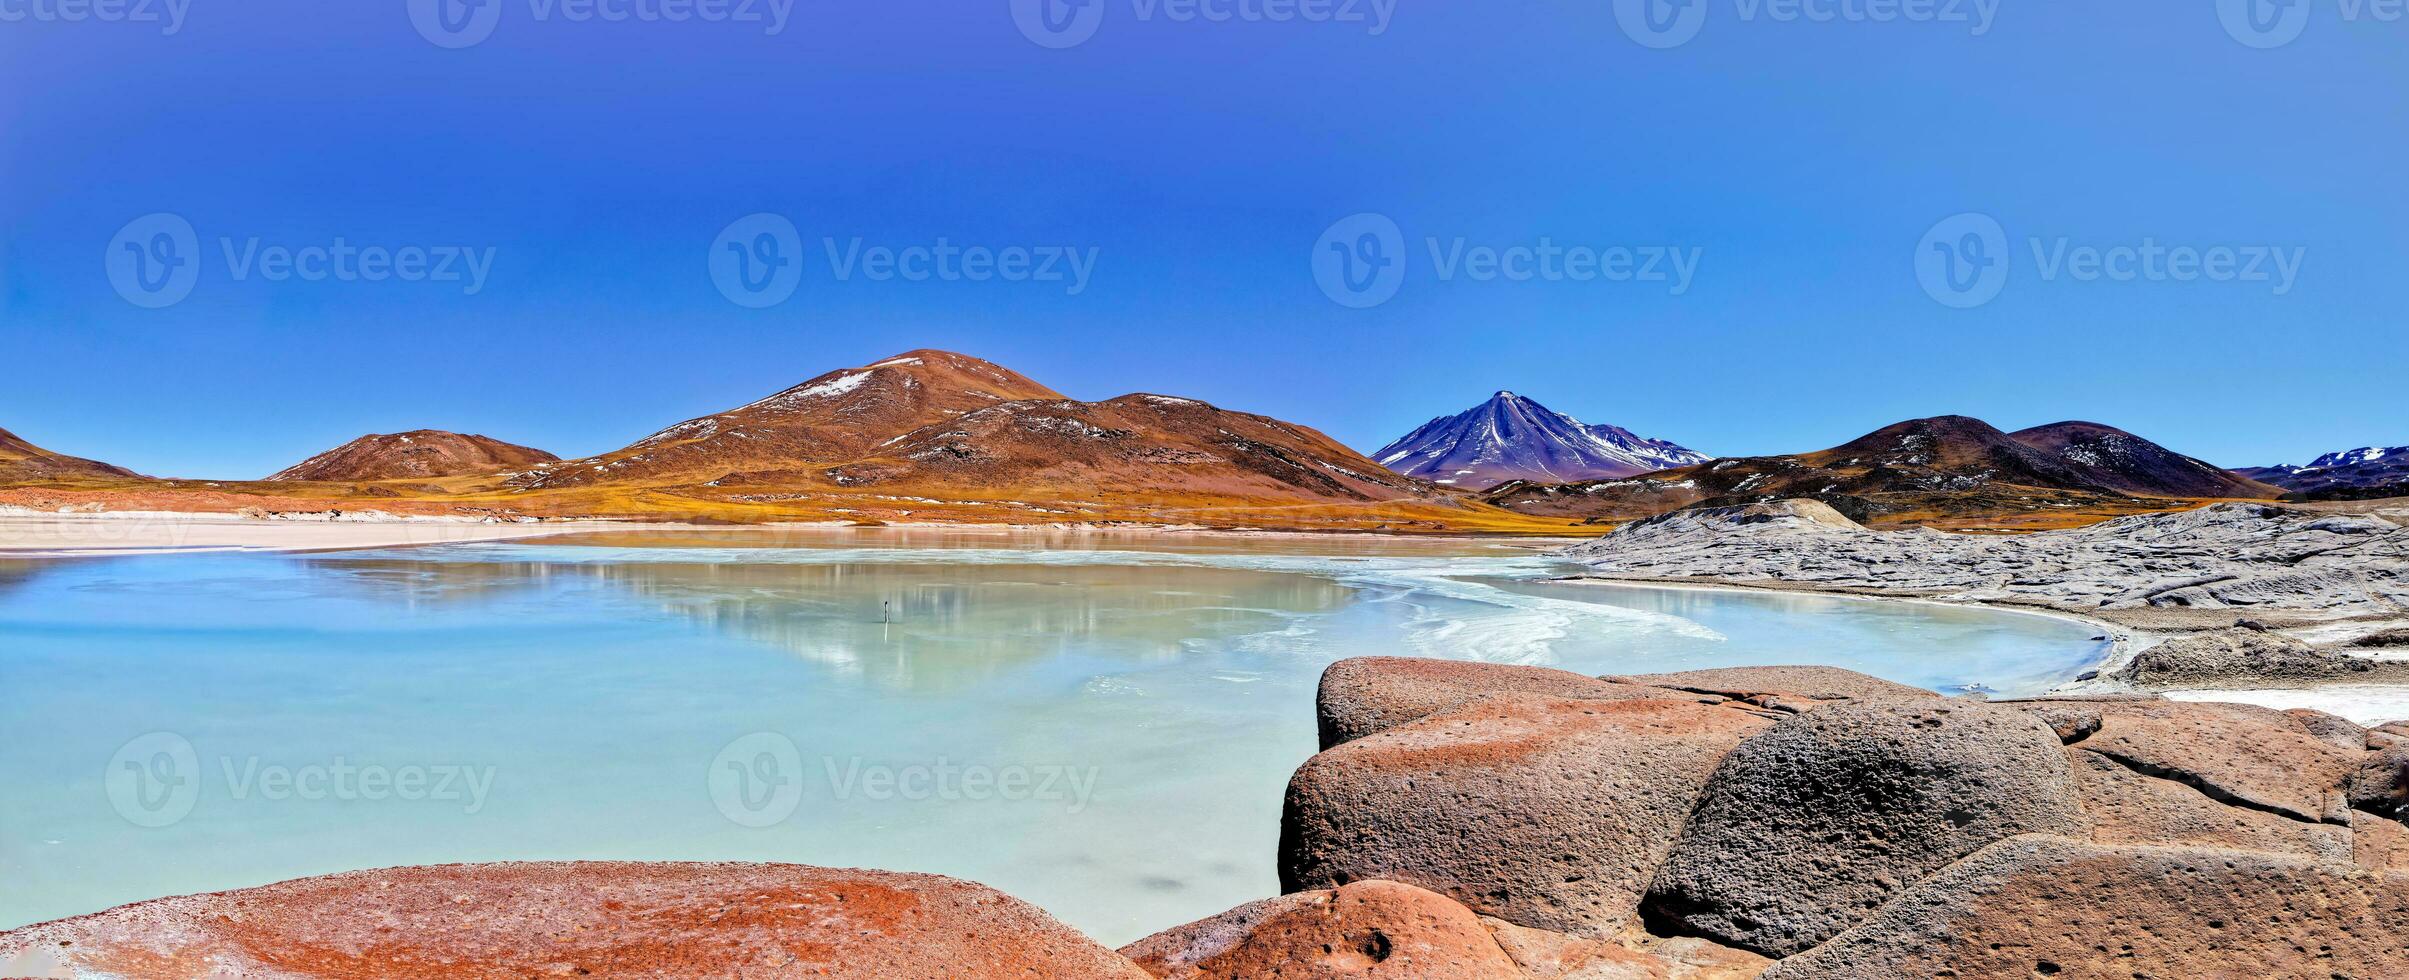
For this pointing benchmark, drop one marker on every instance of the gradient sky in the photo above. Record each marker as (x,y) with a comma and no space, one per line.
(1805,160)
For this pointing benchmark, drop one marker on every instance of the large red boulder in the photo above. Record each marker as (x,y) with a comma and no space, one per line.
(466,922)
(1375,930)
(2039,906)
(1546,812)
(1364,695)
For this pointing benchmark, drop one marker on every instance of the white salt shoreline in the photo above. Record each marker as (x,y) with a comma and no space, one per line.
(27,534)
(2364,704)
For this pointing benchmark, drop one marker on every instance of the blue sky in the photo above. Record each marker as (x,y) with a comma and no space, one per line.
(1802,162)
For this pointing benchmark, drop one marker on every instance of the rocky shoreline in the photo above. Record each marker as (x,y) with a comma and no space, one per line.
(2239,596)
(1483,821)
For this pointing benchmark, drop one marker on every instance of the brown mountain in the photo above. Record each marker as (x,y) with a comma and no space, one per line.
(2130,464)
(420,455)
(24,462)
(932,435)
(1135,445)
(1950,470)
(836,417)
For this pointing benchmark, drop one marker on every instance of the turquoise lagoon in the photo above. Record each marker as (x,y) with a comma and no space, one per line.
(1099,724)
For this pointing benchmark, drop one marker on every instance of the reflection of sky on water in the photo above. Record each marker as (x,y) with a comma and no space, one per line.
(600,679)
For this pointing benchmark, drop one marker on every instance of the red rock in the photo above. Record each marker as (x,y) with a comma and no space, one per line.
(2127,807)
(1808,683)
(1369,929)
(1545,812)
(2037,906)
(2237,754)
(466,922)
(1365,695)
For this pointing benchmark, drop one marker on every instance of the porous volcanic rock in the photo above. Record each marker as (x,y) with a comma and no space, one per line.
(1364,695)
(465,922)
(2380,785)
(1809,827)
(2046,906)
(1546,812)
(1790,688)
(2239,755)
(2127,807)
(1544,955)
(2245,659)
(1368,929)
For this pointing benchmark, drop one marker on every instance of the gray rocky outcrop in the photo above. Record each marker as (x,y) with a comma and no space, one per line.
(1808,828)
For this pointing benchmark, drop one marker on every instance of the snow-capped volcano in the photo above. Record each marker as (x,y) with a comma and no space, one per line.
(1510,437)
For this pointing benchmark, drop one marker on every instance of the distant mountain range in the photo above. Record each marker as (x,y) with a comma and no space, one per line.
(2368,472)
(1936,470)
(1510,437)
(24,462)
(420,455)
(934,436)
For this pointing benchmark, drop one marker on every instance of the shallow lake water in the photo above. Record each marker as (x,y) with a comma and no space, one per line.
(1100,724)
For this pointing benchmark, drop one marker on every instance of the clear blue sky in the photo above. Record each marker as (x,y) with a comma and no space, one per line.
(1202,161)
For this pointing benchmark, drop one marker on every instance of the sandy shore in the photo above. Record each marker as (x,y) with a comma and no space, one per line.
(132,533)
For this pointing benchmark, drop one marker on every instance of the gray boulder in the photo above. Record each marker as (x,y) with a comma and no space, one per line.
(2243,658)
(1808,828)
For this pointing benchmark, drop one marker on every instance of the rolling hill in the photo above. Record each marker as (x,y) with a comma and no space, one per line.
(24,462)
(1945,471)
(423,454)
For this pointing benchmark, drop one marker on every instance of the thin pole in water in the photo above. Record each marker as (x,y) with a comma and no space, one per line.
(886,612)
